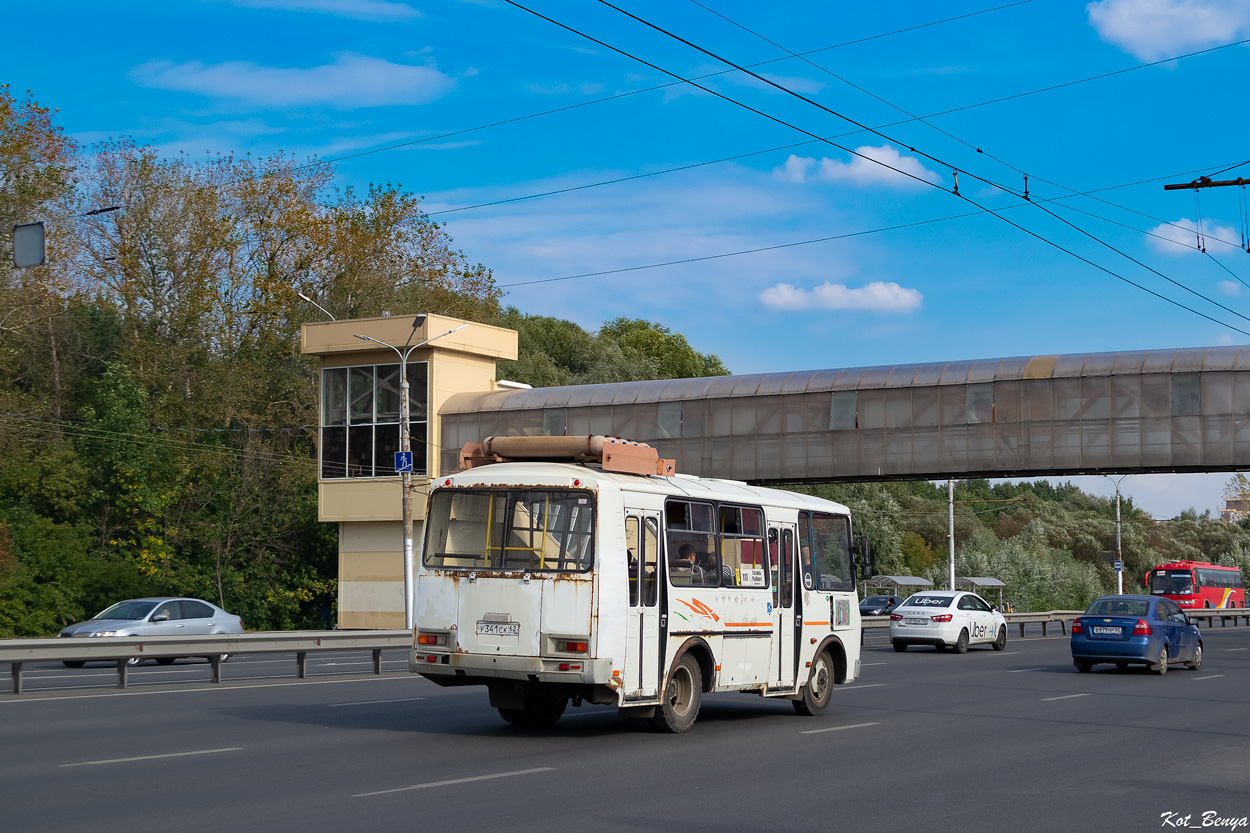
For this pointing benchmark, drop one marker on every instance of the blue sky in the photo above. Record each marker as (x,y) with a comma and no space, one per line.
(905,270)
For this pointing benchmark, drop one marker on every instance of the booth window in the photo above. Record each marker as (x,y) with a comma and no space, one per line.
(360,417)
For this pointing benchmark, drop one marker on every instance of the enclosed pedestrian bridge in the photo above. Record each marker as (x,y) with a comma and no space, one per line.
(1151,411)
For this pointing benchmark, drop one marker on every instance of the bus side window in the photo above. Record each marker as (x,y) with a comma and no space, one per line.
(650,562)
(634,565)
(787,568)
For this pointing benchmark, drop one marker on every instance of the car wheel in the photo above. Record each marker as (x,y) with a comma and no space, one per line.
(73,663)
(165,660)
(899,645)
(819,688)
(1001,642)
(133,661)
(961,644)
(1161,666)
(1083,665)
(680,704)
(220,658)
(1196,662)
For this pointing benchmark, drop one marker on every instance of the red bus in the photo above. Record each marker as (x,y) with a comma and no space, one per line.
(1197,584)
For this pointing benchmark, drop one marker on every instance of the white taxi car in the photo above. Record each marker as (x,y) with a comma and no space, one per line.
(943,618)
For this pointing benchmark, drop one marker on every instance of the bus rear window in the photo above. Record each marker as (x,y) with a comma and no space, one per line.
(526,530)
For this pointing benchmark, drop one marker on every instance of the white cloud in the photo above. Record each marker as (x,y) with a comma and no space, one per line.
(872,166)
(1154,29)
(1229,287)
(1181,236)
(877,296)
(358,9)
(351,81)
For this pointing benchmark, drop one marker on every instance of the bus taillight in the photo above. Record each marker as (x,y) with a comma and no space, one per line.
(570,647)
(1142,628)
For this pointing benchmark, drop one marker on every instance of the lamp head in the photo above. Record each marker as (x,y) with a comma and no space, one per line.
(418,320)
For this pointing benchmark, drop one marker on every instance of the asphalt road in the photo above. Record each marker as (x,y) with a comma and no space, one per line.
(1011,741)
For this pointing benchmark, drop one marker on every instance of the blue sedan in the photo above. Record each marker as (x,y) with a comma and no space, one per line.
(1135,629)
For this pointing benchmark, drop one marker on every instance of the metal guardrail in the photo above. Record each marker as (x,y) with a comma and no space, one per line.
(1063,617)
(1044,618)
(121,649)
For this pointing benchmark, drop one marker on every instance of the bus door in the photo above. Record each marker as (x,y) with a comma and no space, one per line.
(781,672)
(643,649)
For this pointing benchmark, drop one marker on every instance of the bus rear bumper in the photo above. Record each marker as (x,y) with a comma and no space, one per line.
(478,668)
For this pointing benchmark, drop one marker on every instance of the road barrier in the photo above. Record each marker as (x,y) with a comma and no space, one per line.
(214,647)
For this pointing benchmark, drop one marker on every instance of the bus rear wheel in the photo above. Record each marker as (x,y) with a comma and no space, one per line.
(541,709)
(682,696)
(819,688)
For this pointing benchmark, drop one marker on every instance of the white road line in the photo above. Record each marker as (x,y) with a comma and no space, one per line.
(1230,650)
(1064,697)
(459,781)
(1210,677)
(22,698)
(1006,653)
(1022,670)
(154,757)
(371,702)
(866,664)
(838,728)
(853,687)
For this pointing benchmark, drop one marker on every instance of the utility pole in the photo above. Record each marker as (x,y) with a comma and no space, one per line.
(950,529)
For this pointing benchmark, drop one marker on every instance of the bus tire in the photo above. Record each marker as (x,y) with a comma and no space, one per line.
(541,709)
(819,688)
(682,696)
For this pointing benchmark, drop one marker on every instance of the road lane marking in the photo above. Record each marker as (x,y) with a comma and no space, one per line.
(371,702)
(838,728)
(1210,677)
(154,757)
(1006,653)
(1230,650)
(459,781)
(1022,670)
(1064,697)
(851,687)
(866,664)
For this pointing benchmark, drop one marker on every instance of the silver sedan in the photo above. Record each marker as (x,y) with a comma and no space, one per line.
(163,616)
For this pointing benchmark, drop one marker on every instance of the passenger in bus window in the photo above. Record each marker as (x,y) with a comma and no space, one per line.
(707,562)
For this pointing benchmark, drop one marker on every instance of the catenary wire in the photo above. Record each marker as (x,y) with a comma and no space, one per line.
(907,174)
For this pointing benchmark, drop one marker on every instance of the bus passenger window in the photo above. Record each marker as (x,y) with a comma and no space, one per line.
(633,565)
(650,561)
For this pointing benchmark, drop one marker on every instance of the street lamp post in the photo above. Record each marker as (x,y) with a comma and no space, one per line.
(405,445)
(1119,555)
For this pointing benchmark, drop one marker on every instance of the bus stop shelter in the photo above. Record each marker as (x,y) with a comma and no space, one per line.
(895,585)
(979,584)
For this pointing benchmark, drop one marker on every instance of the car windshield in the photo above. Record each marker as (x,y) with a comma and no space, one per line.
(127,611)
(1118,607)
(920,600)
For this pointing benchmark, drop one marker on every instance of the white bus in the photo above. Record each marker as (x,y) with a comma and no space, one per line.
(553,581)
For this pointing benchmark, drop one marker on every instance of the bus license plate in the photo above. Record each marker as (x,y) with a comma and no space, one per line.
(1101,630)
(498,628)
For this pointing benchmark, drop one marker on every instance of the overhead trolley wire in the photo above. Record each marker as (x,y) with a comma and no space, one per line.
(907,174)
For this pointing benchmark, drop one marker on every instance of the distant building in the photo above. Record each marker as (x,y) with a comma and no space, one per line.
(1235,509)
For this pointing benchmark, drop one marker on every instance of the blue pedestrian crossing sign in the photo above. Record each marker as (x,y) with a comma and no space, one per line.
(403,461)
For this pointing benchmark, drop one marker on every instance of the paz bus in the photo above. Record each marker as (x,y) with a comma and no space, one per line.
(1197,584)
(586,570)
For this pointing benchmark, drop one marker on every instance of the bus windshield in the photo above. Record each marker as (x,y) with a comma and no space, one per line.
(1172,583)
(511,529)
(832,568)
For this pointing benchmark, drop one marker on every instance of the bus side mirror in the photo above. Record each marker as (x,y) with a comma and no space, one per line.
(865,558)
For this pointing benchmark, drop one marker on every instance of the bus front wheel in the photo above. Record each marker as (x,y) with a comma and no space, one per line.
(680,704)
(819,688)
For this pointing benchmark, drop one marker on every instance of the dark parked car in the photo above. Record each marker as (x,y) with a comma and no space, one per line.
(155,617)
(1146,630)
(878,605)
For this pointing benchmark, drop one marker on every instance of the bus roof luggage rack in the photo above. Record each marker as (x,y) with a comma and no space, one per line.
(611,453)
